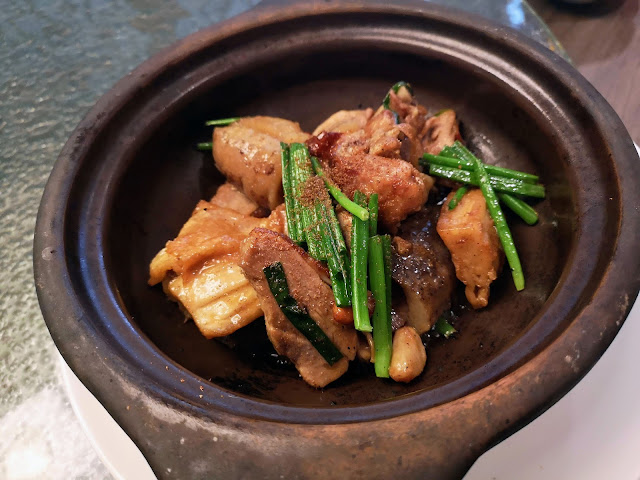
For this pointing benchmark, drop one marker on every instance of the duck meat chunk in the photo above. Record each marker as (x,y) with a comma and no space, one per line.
(308,285)
(440,131)
(229,196)
(409,111)
(401,188)
(422,266)
(247,152)
(470,235)
(345,121)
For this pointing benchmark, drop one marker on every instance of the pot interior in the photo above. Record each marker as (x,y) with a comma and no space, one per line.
(166,177)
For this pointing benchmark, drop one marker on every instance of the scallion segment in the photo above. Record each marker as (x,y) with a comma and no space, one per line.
(293,224)
(337,259)
(457,197)
(373,214)
(361,212)
(222,122)
(359,258)
(300,319)
(520,208)
(302,172)
(500,184)
(444,328)
(204,146)
(381,316)
(445,160)
(317,223)
(386,252)
(500,223)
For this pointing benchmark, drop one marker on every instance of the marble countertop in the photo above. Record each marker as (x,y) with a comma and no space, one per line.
(58,58)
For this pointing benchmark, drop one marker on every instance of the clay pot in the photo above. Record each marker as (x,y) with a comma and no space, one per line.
(129,177)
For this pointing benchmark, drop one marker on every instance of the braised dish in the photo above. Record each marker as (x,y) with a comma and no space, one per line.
(352,287)
(129,178)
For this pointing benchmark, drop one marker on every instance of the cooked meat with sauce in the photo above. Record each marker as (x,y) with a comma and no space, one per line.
(391,140)
(307,283)
(408,109)
(422,267)
(345,121)
(247,152)
(401,188)
(330,250)
(440,131)
(229,196)
(199,268)
(469,234)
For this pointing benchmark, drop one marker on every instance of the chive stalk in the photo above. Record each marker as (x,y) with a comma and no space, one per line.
(457,197)
(373,214)
(444,328)
(520,208)
(222,122)
(337,261)
(319,228)
(500,223)
(302,171)
(359,257)
(445,160)
(381,319)
(386,252)
(293,225)
(500,184)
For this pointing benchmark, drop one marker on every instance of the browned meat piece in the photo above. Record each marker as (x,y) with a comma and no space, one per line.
(228,196)
(374,159)
(247,152)
(401,188)
(345,121)
(422,267)
(391,140)
(440,131)
(469,234)
(200,268)
(408,355)
(412,117)
(307,280)
(407,108)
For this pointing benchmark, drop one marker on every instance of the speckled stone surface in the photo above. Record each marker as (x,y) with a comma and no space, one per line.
(57,58)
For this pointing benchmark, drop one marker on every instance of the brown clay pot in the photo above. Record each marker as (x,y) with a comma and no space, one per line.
(129,176)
